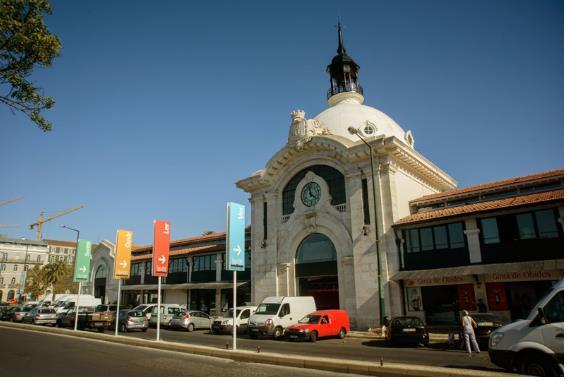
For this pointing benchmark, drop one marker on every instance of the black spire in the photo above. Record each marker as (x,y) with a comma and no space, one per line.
(343,71)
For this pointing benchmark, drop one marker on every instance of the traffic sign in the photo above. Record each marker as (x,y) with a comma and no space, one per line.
(160,259)
(123,254)
(235,249)
(82,261)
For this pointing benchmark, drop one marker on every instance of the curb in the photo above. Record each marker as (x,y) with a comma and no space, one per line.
(319,363)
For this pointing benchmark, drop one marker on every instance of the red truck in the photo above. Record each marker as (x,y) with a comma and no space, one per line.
(322,323)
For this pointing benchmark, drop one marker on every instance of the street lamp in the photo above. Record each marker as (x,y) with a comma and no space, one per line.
(356,132)
(74,262)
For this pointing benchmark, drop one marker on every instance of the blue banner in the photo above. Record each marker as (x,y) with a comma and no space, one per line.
(235,245)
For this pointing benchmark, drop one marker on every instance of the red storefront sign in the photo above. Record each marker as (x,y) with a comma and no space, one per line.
(496,295)
(160,258)
(466,297)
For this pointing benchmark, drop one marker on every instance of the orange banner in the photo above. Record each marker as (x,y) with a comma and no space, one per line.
(161,248)
(123,254)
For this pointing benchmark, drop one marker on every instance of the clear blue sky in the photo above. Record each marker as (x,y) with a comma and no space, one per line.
(162,106)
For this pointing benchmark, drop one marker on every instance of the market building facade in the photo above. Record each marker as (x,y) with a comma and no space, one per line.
(313,206)
(496,247)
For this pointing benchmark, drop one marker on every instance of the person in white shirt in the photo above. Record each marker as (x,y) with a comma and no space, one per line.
(469,337)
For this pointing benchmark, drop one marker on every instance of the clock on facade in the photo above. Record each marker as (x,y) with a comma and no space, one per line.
(310,194)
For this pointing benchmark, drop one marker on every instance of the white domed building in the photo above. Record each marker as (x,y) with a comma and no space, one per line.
(313,211)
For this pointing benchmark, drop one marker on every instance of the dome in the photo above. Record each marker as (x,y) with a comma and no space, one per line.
(346,110)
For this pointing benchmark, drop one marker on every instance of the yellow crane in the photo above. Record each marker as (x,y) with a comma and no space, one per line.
(41,219)
(2,202)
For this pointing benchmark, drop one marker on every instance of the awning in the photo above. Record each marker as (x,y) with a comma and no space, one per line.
(184,286)
(480,269)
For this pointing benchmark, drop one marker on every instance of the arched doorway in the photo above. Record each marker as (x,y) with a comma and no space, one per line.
(100,282)
(11,295)
(316,271)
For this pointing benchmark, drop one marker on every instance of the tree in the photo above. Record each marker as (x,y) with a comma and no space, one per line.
(25,42)
(55,271)
(65,283)
(36,282)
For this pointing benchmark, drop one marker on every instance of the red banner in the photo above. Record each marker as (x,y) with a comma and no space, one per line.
(496,294)
(466,296)
(160,258)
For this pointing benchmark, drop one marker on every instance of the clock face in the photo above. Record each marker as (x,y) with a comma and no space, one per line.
(310,194)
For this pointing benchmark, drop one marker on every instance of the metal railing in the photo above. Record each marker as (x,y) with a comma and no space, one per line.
(350,87)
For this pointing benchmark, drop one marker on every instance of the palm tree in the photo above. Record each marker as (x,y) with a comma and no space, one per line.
(36,283)
(54,272)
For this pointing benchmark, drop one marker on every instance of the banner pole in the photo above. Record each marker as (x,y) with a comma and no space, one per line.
(117,308)
(158,307)
(77,305)
(234,311)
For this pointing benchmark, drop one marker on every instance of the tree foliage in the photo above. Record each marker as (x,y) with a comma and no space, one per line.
(57,277)
(25,42)
(36,283)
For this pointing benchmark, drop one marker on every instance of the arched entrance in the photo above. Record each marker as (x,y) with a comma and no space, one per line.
(100,282)
(316,271)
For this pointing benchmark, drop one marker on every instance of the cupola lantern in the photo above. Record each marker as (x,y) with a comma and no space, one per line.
(343,71)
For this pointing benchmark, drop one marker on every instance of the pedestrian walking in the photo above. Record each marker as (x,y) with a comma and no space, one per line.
(469,337)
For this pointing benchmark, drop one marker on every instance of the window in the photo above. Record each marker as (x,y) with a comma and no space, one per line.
(412,239)
(57,249)
(15,267)
(365,204)
(441,241)
(426,237)
(456,235)
(66,251)
(26,267)
(245,314)
(1,280)
(489,231)
(526,227)
(13,281)
(3,267)
(51,258)
(248,260)
(204,263)
(27,257)
(177,265)
(265,221)
(4,257)
(39,258)
(554,309)
(546,224)
(148,268)
(284,310)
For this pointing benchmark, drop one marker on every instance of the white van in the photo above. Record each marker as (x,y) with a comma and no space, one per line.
(67,303)
(533,346)
(223,324)
(275,314)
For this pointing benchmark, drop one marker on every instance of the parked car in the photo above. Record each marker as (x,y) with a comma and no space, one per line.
(191,320)
(132,319)
(17,313)
(486,324)
(9,313)
(106,308)
(224,324)
(67,319)
(275,314)
(146,309)
(407,329)
(535,345)
(89,318)
(41,316)
(322,323)
(167,312)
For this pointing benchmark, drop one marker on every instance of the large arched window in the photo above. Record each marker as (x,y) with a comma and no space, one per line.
(316,248)
(100,272)
(334,178)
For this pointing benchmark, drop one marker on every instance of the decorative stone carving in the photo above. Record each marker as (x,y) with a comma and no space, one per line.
(302,130)
(409,138)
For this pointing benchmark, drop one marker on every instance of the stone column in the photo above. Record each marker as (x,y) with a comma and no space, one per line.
(218,302)
(472,233)
(284,271)
(218,267)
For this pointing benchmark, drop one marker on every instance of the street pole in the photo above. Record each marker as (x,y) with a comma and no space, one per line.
(158,307)
(80,283)
(234,311)
(356,132)
(117,307)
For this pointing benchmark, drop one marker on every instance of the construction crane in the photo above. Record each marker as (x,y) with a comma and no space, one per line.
(2,202)
(9,226)
(41,219)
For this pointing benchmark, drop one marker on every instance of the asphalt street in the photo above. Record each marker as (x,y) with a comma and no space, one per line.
(35,354)
(360,349)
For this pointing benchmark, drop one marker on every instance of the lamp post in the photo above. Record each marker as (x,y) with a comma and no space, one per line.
(356,132)
(75,260)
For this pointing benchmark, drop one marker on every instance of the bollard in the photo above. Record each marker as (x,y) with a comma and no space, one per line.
(258,349)
(381,361)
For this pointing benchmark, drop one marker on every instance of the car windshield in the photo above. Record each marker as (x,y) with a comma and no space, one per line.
(27,309)
(101,308)
(140,307)
(310,319)
(135,313)
(267,308)
(411,322)
(180,314)
(228,313)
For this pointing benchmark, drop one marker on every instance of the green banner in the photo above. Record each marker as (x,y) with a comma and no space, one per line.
(82,261)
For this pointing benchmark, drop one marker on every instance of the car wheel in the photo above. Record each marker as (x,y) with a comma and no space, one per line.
(537,365)
(313,336)
(342,333)
(278,333)
(190,327)
(123,328)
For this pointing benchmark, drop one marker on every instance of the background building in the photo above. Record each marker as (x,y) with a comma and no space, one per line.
(501,242)
(16,257)
(59,250)
(313,210)
(197,276)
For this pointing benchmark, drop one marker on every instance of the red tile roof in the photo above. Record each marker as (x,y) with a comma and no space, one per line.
(521,200)
(487,186)
(61,243)
(186,251)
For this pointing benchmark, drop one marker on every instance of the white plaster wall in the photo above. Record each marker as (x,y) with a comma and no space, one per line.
(175,297)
